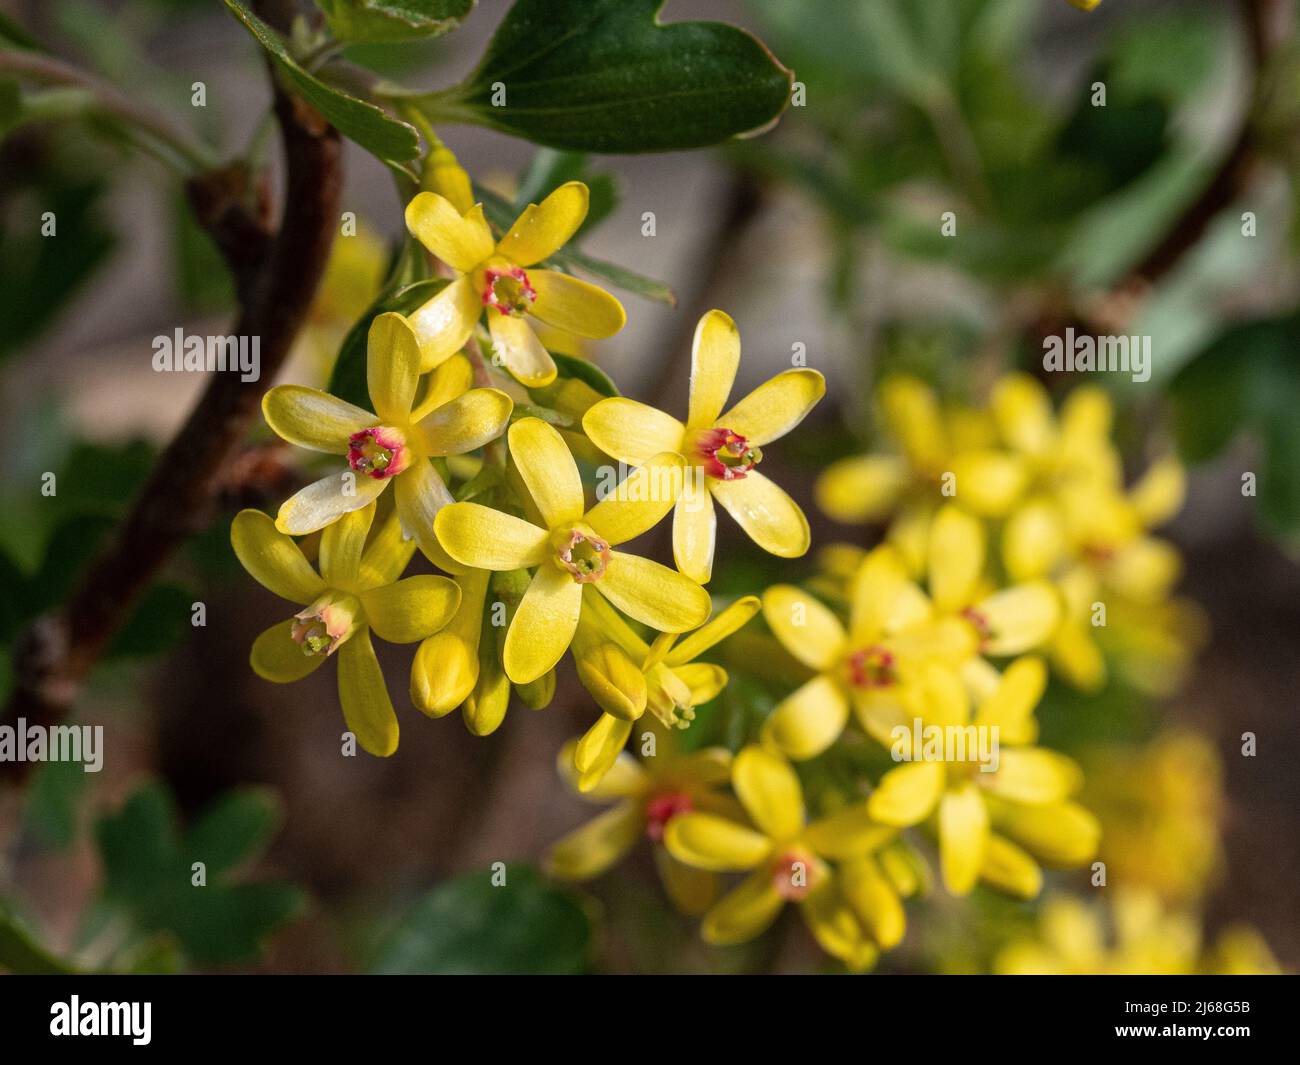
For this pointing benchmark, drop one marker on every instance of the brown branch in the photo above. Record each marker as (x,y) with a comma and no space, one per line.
(276,276)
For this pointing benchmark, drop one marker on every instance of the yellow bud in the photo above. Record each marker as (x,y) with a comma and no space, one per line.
(537,694)
(614,680)
(444,175)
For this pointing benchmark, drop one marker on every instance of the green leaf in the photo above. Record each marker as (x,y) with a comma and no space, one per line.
(468,926)
(606,76)
(378,132)
(348,379)
(148,874)
(585,371)
(392,21)
(20,953)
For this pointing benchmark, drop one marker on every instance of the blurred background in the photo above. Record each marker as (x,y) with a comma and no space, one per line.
(824,232)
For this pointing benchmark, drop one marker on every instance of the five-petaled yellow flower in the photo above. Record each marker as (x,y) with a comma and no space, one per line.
(850,911)
(721,449)
(496,277)
(393,444)
(357,590)
(647,795)
(626,676)
(572,549)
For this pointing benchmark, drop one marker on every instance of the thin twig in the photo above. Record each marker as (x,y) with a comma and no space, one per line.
(276,274)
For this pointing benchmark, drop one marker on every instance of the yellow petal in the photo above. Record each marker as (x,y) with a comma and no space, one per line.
(443,324)
(273,559)
(466,423)
(446,666)
(1033,775)
(708,841)
(769,790)
(1033,540)
(940,696)
(989,482)
(460,241)
(575,306)
(1008,868)
(883,599)
(596,846)
(912,414)
(956,558)
(611,678)
(547,470)
(963,835)
(313,419)
(625,778)
(411,609)
(776,406)
(861,489)
(1020,618)
(695,532)
(771,518)
(718,628)
(366,707)
(543,625)
(444,383)
(392,367)
(715,356)
(691,890)
(630,431)
(543,229)
(1077,658)
(386,554)
(276,657)
(420,495)
(479,536)
(1010,706)
(743,912)
(327,500)
(1159,495)
(807,721)
(835,926)
(341,547)
(1023,412)
(907,794)
(1145,570)
(639,502)
(874,901)
(705,681)
(653,594)
(1062,834)
(600,751)
(485,708)
(516,347)
(806,628)
(850,832)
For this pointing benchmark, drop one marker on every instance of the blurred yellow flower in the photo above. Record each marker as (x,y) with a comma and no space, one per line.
(721,449)
(356,591)
(852,911)
(647,795)
(496,276)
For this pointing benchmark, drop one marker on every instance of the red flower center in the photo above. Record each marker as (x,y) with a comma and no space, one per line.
(872,667)
(509,291)
(584,554)
(793,875)
(725,455)
(379,452)
(663,808)
(981,623)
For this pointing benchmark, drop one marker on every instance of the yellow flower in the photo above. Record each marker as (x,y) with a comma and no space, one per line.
(966,756)
(625,676)
(395,443)
(647,795)
(572,549)
(1085,5)
(931,443)
(721,449)
(496,277)
(851,911)
(356,591)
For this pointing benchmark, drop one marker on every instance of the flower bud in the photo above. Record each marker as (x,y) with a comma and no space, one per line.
(613,679)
